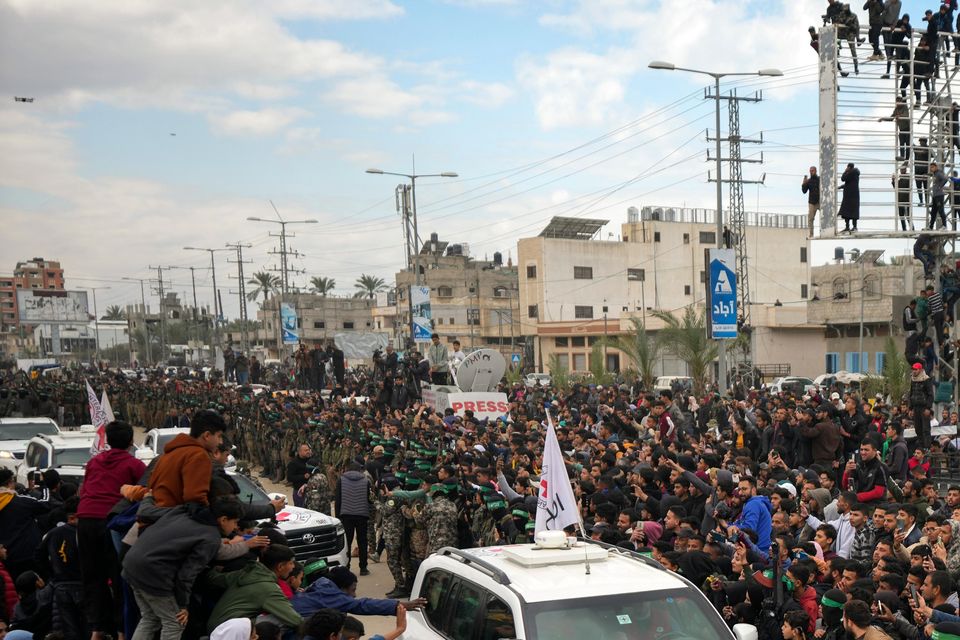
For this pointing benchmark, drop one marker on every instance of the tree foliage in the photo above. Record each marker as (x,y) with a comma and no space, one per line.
(686,338)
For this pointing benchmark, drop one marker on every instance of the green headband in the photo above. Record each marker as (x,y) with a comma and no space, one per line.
(833,604)
(943,635)
(520,513)
(496,504)
(531,526)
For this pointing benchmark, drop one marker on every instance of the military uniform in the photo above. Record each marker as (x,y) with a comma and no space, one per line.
(439,519)
(316,494)
(392,524)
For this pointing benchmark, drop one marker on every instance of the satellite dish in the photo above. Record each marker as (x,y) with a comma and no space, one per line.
(480,371)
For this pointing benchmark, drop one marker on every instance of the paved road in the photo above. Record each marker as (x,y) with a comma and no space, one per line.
(378,583)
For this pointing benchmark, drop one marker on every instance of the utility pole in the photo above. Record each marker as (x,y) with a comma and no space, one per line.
(146,326)
(163,321)
(96,323)
(738,222)
(216,307)
(242,292)
(194,319)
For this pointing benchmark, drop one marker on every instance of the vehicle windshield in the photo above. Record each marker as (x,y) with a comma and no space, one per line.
(250,493)
(72,457)
(678,614)
(163,440)
(25,430)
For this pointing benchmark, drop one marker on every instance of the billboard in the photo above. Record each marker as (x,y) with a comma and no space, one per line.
(722,293)
(40,307)
(288,321)
(422,325)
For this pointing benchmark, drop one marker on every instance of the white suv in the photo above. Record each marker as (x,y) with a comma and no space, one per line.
(533,593)
(15,433)
(68,452)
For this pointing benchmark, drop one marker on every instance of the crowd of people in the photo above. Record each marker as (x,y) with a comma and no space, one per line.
(817,487)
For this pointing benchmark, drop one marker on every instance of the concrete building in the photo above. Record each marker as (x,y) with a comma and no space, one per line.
(837,294)
(319,318)
(474,301)
(575,288)
(37,273)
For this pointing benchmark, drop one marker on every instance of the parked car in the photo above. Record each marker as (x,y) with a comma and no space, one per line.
(15,433)
(68,452)
(532,592)
(535,379)
(804,385)
(665,383)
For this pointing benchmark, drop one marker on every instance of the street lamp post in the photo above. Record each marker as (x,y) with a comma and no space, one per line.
(669,66)
(216,310)
(416,235)
(96,323)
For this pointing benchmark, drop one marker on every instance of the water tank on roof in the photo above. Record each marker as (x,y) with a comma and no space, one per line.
(838,254)
(434,238)
(657,214)
(669,215)
(497,258)
(633,215)
(455,250)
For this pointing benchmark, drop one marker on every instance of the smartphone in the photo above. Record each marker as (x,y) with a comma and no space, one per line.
(879,607)
(913,594)
(853,456)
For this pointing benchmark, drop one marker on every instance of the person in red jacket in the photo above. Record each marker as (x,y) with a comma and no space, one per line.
(867,477)
(7,586)
(100,569)
(182,474)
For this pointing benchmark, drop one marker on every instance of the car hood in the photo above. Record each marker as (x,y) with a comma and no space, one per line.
(292,518)
(14,446)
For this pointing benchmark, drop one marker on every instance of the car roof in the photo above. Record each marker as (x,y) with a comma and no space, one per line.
(619,573)
(68,439)
(4,421)
(168,431)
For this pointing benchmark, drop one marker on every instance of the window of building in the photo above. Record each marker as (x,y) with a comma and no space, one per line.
(881,360)
(840,288)
(592,340)
(583,273)
(832,362)
(531,271)
(348,325)
(451,321)
(319,324)
(708,237)
(871,286)
(686,238)
(636,275)
(803,292)
(473,317)
(500,292)
(564,361)
(803,254)
(854,359)
(579,362)
(444,292)
(561,342)
(578,341)
(440,321)
(686,289)
(532,311)
(703,277)
(582,312)
(656,236)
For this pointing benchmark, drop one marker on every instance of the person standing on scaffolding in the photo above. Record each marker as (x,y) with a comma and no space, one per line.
(874,9)
(811,187)
(921,158)
(901,116)
(848,28)
(896,39)
(901,183)
(938,194)
(850,205)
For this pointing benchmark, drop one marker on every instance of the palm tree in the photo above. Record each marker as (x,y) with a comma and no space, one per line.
(321,285)
(369,286)
(264,283)
(642,348)
(114,312)
(686,338)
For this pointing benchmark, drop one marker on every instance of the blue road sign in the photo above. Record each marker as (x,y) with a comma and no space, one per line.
(723,294)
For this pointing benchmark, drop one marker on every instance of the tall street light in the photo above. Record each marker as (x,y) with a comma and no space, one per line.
(669,66)
(416,237)
(216,305)
(146,327)
(96,322)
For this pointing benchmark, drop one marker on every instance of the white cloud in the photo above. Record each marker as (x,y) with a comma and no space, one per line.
(256,123)
(335,9)
(489,95)
(581,85)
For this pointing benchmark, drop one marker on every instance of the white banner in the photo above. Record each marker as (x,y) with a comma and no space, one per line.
(556,505)
(483,405)
(98,419)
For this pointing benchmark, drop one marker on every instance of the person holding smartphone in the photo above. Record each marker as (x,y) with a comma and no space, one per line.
(868,477)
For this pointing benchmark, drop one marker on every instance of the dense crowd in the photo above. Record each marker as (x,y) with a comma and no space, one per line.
(814,487)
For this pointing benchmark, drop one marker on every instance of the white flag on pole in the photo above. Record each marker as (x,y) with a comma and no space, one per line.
(107,409)
(98,419)
(556,504)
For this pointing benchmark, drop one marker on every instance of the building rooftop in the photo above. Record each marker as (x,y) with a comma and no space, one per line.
(709,216)
(572,228)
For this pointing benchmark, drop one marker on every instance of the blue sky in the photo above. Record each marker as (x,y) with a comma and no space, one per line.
(291,100)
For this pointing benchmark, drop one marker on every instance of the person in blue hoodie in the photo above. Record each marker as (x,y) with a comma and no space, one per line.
(339,591)
(757,513)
